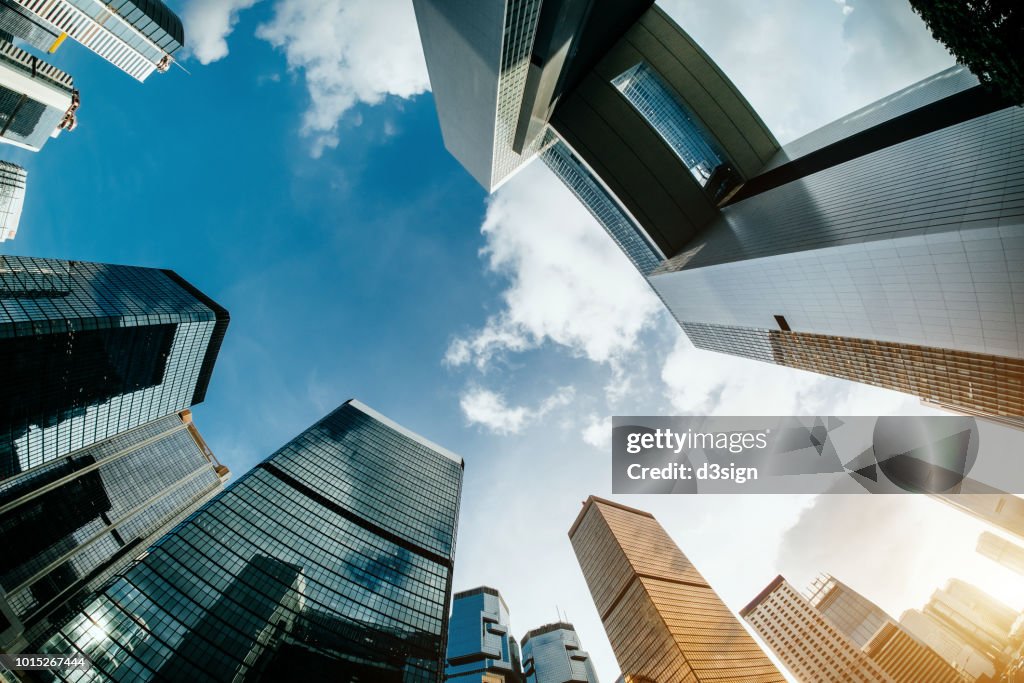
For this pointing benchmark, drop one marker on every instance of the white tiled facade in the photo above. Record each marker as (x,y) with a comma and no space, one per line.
(961,289)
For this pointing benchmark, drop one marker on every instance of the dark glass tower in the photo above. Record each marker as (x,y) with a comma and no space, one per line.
(480,648)
(91,350)
(330,560)
(67,526)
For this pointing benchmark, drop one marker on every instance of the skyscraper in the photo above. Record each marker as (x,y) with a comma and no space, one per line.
(976,616)
(553,654)
(966,656)
(907,661)
(998,549)
(12,198)
(480,647)
(137,36)
(330,560)
(1002,510)
(822,255)
(93,350)
(37,100)
(848,611)
(664,621)
(810,646)
(71,524)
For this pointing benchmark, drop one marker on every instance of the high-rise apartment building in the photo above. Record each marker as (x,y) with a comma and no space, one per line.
(810,646)
(1000,550)
(664,622)
(137,36)
(91,350)
(907,661)
(12,198)
(553,654)
(480,646)
(848,611)
(330,560)
(37,100)
(822,255)
(72,523)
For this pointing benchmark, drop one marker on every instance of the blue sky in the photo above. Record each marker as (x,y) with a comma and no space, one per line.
(297,176)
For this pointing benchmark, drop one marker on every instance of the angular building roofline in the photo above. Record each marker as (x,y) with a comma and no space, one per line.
(481,590)
(589,502)
(358,405)
(548,628)
(768,590)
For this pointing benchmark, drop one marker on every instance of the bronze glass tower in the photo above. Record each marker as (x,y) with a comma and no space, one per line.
(664,621)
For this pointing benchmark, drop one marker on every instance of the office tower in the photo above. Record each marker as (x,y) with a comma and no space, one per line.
(825,254)
(907,661)
(662,618)
(998,549)
(974,614)
(330,560)
(805,641)
(37,101)
(553,654)
(1002,510)
(480,649)
(70,524)
(953,647)
(12,198)
(136,36)
(93,350)
(846,610)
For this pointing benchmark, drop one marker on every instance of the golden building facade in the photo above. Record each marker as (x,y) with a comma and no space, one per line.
(908,661)
(664,621)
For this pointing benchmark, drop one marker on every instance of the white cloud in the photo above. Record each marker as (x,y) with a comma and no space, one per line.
(568,282)
(349,52)
(208,23)
(491,410)
(598,432)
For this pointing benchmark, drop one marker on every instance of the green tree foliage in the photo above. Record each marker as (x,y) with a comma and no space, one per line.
(986,36)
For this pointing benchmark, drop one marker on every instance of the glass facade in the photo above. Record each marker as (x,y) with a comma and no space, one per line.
(16,21)
(677,125)
(664,622)
(331,560)
(602,205)
(36,99)
(137,36)
(907,661)
(73,521)
(851,613)
(480,649)
(553,654)
(92,350)
(13,179)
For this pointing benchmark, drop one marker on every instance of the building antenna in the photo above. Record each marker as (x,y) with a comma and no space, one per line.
(178,64)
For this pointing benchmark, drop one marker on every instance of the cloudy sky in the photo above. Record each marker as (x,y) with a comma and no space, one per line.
(297,175)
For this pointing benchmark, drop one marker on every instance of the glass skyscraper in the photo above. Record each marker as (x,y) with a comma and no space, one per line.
(848,611)
(821,255)
(553,654)
(92,350)
(480,647)
(330,560)
(12,198)
(137,36)
(68,525)
(37,100)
